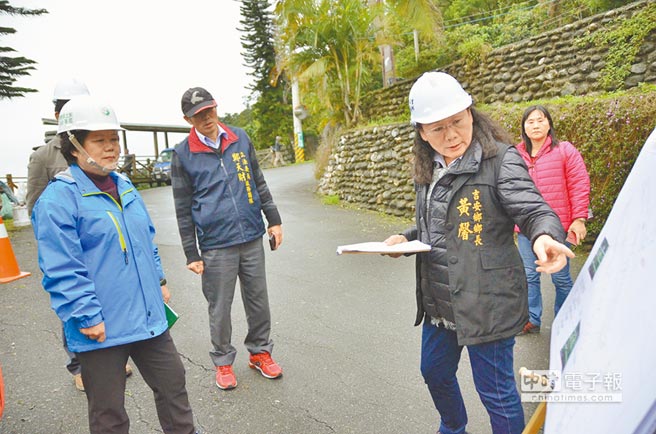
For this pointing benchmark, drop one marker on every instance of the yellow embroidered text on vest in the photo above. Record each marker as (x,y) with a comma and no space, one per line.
(471,228)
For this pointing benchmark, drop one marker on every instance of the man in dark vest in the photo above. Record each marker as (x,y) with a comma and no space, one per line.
(220,194)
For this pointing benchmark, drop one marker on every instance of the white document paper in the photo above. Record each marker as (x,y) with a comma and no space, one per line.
(381,247)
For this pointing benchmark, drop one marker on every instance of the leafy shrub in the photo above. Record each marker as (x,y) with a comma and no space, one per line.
(623,43)
(431,56)
(471,42)
(609,131)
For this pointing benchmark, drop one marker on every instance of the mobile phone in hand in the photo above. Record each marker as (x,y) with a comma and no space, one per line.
(272,241)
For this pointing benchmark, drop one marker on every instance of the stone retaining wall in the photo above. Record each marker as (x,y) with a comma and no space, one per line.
(371,166)
(547,65)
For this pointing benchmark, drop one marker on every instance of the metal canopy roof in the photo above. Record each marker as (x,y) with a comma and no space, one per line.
(140,127)
(151,128)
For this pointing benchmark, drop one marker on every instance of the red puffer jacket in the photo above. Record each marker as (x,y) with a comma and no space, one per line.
(562,178)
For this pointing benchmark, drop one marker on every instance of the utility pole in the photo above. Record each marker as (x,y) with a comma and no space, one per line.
(299,114)
(386,52)
(389,69)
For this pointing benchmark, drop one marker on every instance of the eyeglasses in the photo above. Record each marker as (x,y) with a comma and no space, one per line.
(440,131)
(207,113)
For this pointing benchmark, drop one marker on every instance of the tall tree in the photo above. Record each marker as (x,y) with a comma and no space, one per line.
(271,113)
(332,45)
(12,68)
(328,45)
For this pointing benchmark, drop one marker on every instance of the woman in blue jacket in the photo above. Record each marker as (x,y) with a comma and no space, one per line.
(103,272)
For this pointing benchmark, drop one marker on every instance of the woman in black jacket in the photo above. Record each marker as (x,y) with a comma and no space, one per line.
(472,188)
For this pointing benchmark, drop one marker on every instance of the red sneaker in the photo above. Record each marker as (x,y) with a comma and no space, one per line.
(265,364)
(225,377)
(529,328)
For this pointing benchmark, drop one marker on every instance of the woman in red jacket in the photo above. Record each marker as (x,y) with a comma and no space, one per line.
(559,172)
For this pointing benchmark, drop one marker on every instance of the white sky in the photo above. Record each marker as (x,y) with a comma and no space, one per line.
(138,55)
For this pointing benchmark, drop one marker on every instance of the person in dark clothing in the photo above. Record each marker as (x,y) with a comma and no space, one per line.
(276,149)
(472,188)
(220,194)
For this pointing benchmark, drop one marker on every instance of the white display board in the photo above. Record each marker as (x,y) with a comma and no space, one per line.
(603,342)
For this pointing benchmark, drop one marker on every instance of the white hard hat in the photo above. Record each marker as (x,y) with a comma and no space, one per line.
(436,96)
(69,88)
(87,113)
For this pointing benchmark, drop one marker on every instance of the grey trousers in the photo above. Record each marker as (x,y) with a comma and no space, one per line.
(221,269)
(159,364)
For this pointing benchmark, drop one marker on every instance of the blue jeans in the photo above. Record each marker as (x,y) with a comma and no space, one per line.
(492,368)
(562,280)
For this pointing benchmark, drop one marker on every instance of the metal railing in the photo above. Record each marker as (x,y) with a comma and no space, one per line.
(138,168)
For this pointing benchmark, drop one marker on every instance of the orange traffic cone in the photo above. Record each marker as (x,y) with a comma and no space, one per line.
(8,266)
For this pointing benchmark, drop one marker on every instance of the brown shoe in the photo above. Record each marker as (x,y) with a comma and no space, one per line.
(529,328)
(79,384)
(128,370)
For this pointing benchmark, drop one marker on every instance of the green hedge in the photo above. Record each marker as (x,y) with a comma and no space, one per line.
(609,131)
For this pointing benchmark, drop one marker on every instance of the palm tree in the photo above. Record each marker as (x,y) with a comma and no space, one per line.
(328,45)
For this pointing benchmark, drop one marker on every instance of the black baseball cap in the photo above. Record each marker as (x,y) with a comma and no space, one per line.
(196,100)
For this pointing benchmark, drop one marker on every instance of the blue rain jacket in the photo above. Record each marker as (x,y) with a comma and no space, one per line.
(99,260)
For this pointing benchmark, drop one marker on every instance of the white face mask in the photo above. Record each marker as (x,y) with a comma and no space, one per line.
(91,161)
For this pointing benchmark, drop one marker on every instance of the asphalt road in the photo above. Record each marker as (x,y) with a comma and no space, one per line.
(342,327)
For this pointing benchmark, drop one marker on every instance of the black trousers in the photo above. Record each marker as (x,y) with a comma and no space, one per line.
(159,363)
